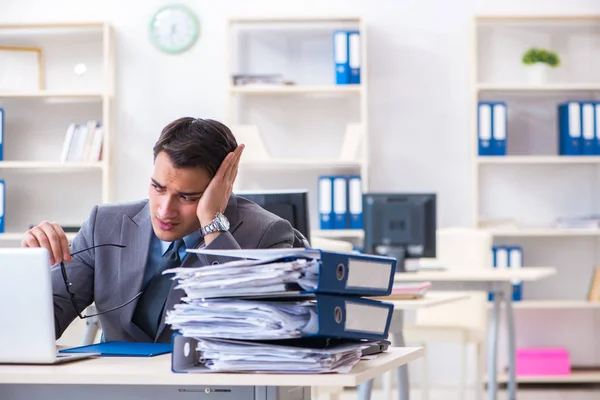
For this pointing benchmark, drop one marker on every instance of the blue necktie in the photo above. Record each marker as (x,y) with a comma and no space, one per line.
(152,301)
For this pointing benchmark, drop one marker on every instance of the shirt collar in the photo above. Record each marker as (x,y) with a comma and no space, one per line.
(190,241)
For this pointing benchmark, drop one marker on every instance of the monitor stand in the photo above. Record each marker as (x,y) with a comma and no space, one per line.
(397,252)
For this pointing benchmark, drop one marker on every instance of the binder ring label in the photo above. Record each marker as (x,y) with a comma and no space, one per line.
(337,315)
(340,272)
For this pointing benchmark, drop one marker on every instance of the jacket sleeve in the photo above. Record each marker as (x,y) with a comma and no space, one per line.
(80,273)
(278,235)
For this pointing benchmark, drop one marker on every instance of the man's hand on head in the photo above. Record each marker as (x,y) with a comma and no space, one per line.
(215,197)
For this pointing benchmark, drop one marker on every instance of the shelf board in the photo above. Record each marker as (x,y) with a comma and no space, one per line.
(541,232)
(17,236)
(576,376)
(554,304)
(46,94)
(339,233)
(297,89)
(538,159)
(301,163)
(58,166)
(558,87)
(55,25)
(293,19)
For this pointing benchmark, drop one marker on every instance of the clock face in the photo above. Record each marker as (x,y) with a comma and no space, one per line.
(174,29)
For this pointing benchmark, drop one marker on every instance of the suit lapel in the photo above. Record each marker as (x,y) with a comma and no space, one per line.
(175,295)
(136,233)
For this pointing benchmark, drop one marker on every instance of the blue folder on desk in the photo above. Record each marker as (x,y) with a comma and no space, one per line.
(123,349)
(338,273)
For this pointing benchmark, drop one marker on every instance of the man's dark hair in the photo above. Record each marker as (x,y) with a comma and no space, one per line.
(195,142)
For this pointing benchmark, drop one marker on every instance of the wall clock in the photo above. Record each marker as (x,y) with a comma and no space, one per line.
(174,29)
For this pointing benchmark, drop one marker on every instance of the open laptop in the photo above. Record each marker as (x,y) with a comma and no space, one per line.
(26,309)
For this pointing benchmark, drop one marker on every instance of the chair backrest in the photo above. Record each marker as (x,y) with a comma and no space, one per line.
(461,249)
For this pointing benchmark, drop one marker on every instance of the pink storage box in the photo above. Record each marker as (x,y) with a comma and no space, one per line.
(543,361)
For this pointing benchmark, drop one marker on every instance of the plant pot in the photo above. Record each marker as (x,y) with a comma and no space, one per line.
(537,73)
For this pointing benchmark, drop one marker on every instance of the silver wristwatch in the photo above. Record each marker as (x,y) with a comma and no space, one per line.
(219,224)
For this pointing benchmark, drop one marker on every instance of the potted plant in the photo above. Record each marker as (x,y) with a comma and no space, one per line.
(539,61)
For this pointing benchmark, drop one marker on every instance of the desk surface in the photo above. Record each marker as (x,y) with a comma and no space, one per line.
(429,300)
(157,371)
(482,275)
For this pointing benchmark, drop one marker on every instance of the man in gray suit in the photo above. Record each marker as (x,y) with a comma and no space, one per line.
(190,205)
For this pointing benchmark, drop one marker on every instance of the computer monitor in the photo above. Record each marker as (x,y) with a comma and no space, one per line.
(400,225)
(289,205)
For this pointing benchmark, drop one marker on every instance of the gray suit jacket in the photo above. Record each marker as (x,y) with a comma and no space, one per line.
(111,276)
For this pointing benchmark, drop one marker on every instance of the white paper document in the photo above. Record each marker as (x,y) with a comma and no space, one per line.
(243,319)
(246,277)
(231,356)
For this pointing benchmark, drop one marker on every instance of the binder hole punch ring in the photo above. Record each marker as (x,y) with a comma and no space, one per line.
(340,272)
(337,315)
(186,349)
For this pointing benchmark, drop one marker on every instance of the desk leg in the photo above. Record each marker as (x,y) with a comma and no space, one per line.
(401,372)
(493,347)
(510,324)
(397,339)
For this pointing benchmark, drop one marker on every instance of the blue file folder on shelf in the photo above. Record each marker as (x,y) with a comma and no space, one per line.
(499,121)
(288,272)
(2,204)
(515,261)
(484,129)
(354,56)
(1,134)
(322,316)
(340,202)
(341,57)
(597,127)
(355,202)
(325,200)
(569,129)
(588,134)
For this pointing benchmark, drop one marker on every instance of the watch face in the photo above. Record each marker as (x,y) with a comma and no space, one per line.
(223,221)
(174,29)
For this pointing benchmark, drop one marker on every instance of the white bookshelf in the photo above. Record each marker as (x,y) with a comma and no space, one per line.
(38,185)
(304,125)
(576,376)
(519,197)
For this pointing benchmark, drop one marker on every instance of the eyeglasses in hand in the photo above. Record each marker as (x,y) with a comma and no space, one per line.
(69,284)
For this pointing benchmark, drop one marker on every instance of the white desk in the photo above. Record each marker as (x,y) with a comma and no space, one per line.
(111,377)
(488,280)
(431,299)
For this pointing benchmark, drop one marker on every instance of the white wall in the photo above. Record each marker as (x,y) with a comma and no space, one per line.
(419,95)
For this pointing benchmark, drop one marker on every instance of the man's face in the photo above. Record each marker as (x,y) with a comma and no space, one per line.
(174,194)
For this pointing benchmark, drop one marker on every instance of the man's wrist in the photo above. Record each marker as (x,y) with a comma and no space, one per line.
(206,219)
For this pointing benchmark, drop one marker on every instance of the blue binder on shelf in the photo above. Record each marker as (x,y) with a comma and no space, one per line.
(597,126)
(2,204)
(588,134)
(1,134)
(325,201)
(123,349)
(484,129)
(500,260)
(341,57)
(355,202)
(515,260)
(499,128)
(354,56)
(340,202)
(569,129)
(347,274)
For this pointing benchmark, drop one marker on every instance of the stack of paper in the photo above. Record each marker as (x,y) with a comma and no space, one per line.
(285,310)
(243,319)
(296,357)
(247,278)
(411,289)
